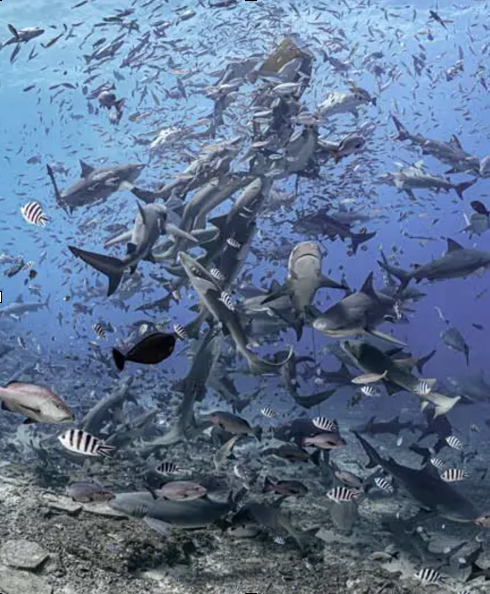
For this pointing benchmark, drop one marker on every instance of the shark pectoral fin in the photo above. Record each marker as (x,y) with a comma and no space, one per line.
(327,283)
(177,232)
(14,31)
(443,404)
(122,237)
(383,336)
(131,248)
(282,292)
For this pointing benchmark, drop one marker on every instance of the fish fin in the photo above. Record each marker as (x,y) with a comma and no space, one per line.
(119,359)
(454,140)
(28,421)
(145,195)
(359,238)
(142,213)
(403,133)
(460,188)
(424,360)
(383,336)
(443,404)
(86,168)
(367,286)
(162,528)
(219,222)
(179,233)
(14,31)
(453,246)
(131,248)
(113,268)
(327,283)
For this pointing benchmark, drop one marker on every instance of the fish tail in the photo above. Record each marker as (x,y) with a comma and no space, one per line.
(402,275)
(424,360)
(113,268)
(460,188)
(105,450)
(260,366)
(443,404)
(119,359)
(359,238)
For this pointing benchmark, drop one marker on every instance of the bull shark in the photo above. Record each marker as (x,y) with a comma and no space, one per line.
(304,279)
(197,513)
(359,313)
(398,377)
(218,304)
(150,223)
(413,178)
(472,386)
(96,184)
(22,35)
(451,152)
(392,427)
(457,262)
(425,486)
(101,412)
(20,307)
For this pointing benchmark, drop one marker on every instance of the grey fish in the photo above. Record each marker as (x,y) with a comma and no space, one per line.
(96,184)
(85,492)
(358,313)
(20,307)
(457,262)
(453,338)
(426,487)
(399,377)
(104,410)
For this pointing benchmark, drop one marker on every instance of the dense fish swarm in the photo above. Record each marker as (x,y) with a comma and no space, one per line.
(244,297)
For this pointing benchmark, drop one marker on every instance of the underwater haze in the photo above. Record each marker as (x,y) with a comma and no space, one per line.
(244,296)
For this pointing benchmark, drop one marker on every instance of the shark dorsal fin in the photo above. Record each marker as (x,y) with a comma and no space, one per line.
(455,141)
(86,168)
(453,246)
(367,286)
(219,221)
(275,286)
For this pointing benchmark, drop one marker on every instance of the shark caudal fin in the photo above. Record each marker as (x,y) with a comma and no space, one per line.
(442,404)
(262,367)
(113,268)
(59,199)
(359,238)
(402,275)
(403,133)
(460,188)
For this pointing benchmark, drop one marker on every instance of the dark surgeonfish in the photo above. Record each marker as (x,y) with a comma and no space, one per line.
(153,349)
(425,486)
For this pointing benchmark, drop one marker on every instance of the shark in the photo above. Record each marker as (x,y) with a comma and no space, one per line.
(425,486)
(304,279)
(96,184)
(450,153)
(150,223)
(360,313)
(398,377)
(21,307)
(218,304)
(457,262)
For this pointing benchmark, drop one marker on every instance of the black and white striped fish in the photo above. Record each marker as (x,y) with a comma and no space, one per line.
(217,274)
(438,463)
(28,265)
(80,442)
(33,214)
(232,242)
(453,475)
(99,331)
(384,485)
(166,468)
(325,424)
(342,494)
(429,576)
(371,391)
(268,412)
(454,442)
(227,301)
(181,332)
(279,540)
(423,388)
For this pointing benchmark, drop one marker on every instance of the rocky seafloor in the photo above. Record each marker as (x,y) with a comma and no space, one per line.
(51,545)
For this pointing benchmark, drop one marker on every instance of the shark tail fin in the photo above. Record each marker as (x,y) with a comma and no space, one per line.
(443,404)
(460,188)
(113,268)
(261,366)
(403,133)
(359,238)
(402,275)
(424,360)
(59,199)
(373,456)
